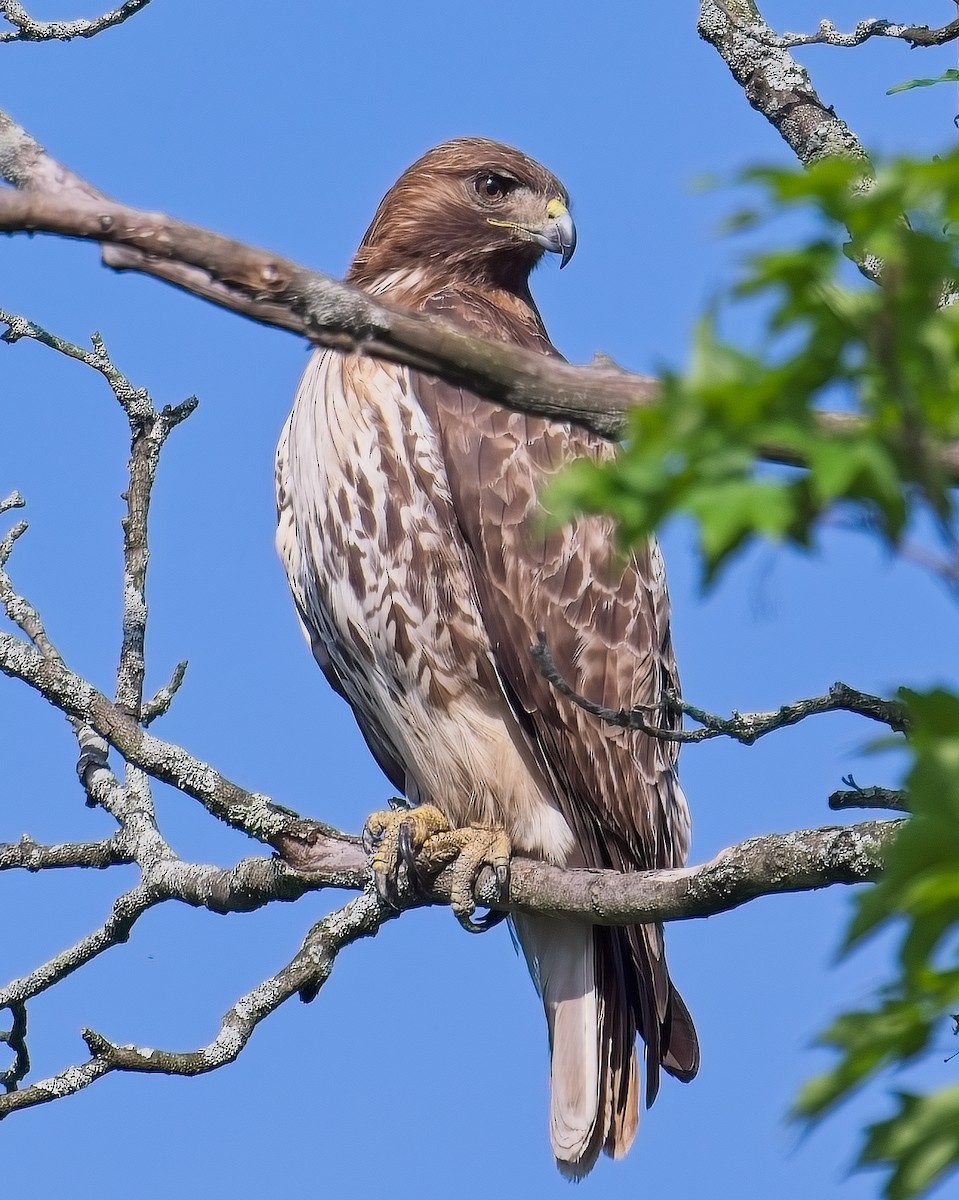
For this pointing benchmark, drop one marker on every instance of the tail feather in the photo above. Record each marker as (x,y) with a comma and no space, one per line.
(682,1054)
(561,960)
(600,986)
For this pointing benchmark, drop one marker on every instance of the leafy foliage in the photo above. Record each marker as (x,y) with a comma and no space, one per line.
(919,893)
(890,353)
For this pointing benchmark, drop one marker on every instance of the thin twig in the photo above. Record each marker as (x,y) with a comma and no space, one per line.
(159,705)
(17,607)
(127,910)
(305,974)
(742,727)
(149,430)
(16,1038)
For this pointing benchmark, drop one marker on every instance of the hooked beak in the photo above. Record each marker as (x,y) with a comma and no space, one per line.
(558,234)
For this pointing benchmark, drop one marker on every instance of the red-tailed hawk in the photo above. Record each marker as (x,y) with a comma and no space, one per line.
(422,571)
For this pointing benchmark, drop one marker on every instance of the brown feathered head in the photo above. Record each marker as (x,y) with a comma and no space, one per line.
(473,210)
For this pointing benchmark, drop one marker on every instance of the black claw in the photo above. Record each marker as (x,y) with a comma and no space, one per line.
(405,854)
(370,839)
(417,879)
(482,924)
(386,888)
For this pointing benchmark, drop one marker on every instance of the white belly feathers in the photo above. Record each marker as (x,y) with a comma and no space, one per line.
(367,536)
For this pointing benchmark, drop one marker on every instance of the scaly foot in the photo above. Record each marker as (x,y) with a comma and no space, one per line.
(403,842)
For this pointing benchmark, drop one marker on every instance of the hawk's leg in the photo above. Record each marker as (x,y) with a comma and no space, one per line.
(421,838)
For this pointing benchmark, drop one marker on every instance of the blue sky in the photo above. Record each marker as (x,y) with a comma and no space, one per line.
(422,1066)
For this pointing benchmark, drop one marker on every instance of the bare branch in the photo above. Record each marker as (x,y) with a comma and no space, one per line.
(17,607)
(894,799)
(322,855)
(159,706)
(127,910)
(805,860)
(26,164)
(32,856)
(304,975)
(30,30)
(251,812)
(16,1038)
(828,35)
(742,727)
(149,431)
(747,727)
(279,292)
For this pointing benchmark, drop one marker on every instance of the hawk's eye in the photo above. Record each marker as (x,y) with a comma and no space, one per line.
(493,187)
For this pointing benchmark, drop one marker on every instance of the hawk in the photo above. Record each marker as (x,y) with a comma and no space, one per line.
(422,570)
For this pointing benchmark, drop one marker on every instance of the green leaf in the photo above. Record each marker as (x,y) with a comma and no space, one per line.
(920,1142)
(950,76)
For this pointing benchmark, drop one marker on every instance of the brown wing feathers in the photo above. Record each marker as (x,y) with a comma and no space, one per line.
(600,621)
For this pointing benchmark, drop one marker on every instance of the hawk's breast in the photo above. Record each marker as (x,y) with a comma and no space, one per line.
(370,541)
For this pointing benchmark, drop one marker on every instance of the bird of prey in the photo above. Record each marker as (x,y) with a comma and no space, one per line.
(422,570)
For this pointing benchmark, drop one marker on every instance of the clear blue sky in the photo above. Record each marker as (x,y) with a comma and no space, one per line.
(422,1068)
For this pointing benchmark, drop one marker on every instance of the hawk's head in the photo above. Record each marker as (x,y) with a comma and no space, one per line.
(471,210)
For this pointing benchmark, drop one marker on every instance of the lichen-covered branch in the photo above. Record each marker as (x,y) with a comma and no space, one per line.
(28,29)
(149,429)
(251,812)
(804,860)
(159,705)
(33,856)
(799,861)
(304,975)
(742,727)
(828,35)
(774,83)
(16,1038)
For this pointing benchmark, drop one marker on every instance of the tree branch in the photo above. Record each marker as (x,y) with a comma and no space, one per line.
(801,861)
(892,799)
(774,83)
(305,974)
(828,35)
(32,856)
(805,860)
(276,291)
(149,430)
(160,704)
(30,30)
(742,727)
(16,1038)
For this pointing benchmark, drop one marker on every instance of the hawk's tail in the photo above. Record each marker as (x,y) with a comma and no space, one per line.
(599,987)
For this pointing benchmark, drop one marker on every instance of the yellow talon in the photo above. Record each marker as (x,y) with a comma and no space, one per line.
(399,841)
